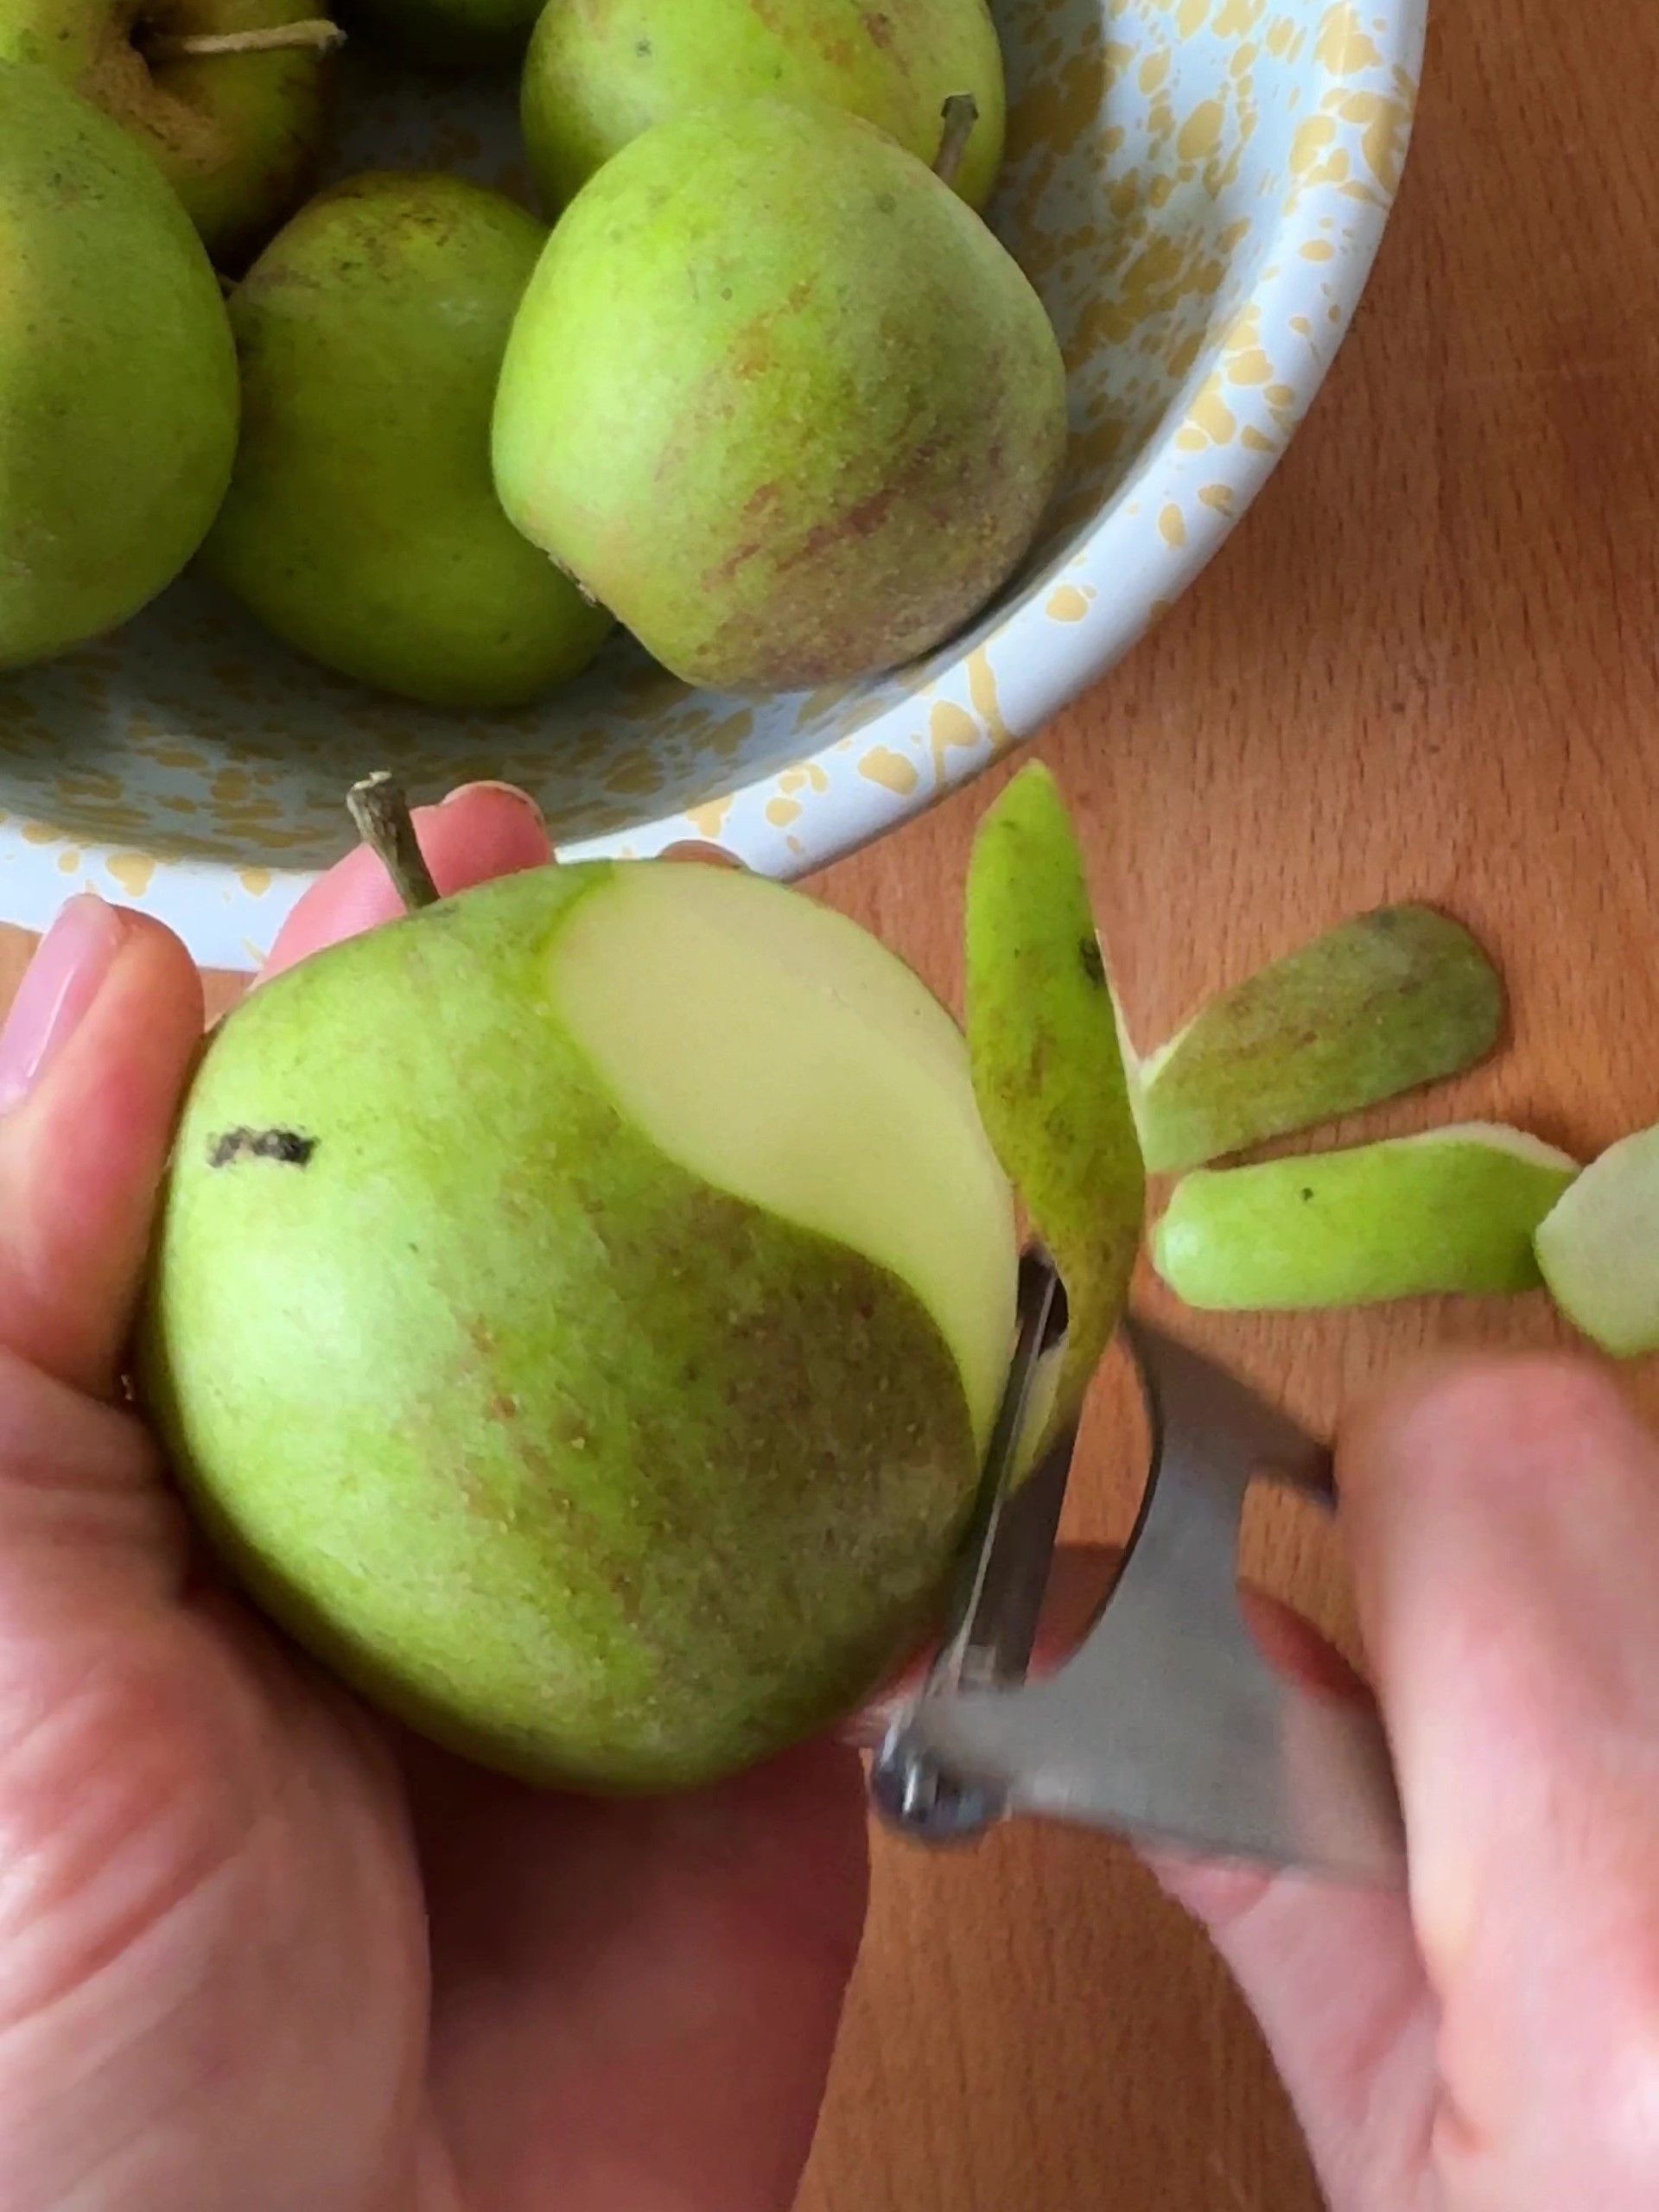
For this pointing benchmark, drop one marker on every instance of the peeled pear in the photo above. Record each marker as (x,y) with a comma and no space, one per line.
(1599,1247)
(1451,1211)
(601,71)
(1048,1068)
(361,524)
(778,399)
(579,1311)
(117,376)
(1383,1002)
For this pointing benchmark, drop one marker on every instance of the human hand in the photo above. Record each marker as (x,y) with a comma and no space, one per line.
(253,1953)
(256,1952)
(1492,2044)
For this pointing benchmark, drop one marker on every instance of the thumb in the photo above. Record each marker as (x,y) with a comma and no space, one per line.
(93,1058)
(1334,1978)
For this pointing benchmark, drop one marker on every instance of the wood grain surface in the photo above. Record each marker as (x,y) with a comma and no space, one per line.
(1427,665)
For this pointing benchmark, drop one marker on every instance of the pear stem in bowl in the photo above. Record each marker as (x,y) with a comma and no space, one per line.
(960,113)
(386,826)
(277,38)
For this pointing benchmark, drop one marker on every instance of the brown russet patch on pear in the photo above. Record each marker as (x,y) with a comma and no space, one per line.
(120,82)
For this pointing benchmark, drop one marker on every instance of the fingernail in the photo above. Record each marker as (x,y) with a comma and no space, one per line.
(62,980)
(693,850)
(507,791)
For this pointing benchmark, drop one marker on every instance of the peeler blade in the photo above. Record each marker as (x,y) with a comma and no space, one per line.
(998,1602)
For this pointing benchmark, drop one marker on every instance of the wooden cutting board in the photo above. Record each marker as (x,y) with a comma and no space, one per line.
(1428,666)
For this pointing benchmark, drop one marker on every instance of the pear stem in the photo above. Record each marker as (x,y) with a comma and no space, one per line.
(386,826)
(960,113)
(317,33)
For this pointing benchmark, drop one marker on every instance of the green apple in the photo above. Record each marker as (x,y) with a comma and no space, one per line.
(1451,1211)
(601,71)
(1599,1247)
(580,1312)
(227,96)
(1048,1069)
(1380,1004)
(117,376)
(778,399)
(361,524)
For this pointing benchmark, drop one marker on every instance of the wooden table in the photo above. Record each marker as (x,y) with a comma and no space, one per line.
(1426,666)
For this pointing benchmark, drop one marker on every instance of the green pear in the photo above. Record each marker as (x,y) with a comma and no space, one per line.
(580,1312)
(601,71)
(361,524)
(1048,1069)
(1451,1211)
(117,376)
(227,96)
(1599,1247)
(778,399)
(1382,1003)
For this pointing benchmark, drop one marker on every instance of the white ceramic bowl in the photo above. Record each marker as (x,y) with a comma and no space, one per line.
(1197,188)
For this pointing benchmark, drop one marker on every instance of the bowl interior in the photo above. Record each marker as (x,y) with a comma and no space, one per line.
(1164,158)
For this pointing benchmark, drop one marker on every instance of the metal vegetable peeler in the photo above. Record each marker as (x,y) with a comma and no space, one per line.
(1166,1726)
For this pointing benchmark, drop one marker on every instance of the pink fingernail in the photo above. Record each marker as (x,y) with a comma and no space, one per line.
(696,849)
(63,979)
(490,783)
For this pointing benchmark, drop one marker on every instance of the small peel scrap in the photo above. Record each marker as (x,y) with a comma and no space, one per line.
(1381,1004)
(1454,1210)
(1048,1069)
(1598,1248)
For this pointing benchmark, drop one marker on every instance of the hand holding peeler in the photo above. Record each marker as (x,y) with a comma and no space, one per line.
(1166,1726)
